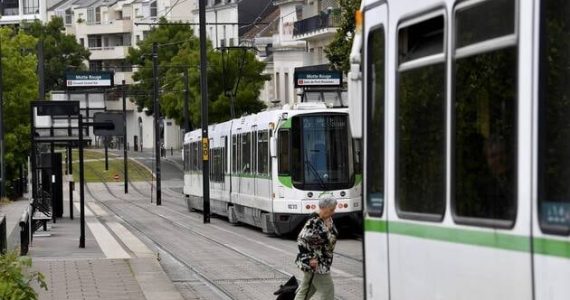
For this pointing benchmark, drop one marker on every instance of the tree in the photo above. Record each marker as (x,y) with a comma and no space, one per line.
(173,57)
(19,82)
(61,51)
(338,51)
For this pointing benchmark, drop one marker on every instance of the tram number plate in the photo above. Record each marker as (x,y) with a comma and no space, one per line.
(204,149)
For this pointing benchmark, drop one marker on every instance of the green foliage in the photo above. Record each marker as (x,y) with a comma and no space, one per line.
(20,87)
(173,57)
(338,51)
(61,51)
(15,278)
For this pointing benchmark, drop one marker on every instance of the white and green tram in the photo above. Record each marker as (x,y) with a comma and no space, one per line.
(464,111)
(270,169)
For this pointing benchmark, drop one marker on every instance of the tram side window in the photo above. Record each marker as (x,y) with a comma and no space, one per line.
(186,157)
(234,154)
(283,152)
(246,153)
(375,132)
(421,121)
(254,146)
(554,113)
(263,153)
(485,106)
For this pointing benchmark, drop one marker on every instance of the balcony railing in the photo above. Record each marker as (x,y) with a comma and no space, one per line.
(316,23)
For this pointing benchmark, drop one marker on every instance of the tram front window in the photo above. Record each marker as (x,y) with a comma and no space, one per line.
(320,152)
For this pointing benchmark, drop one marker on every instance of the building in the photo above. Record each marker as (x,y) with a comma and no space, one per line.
(301,30)
(17,11)
(108,28)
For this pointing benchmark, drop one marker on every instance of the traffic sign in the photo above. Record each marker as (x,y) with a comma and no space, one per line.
(116,119)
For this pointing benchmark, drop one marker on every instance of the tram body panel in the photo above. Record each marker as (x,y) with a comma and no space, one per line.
(522,252)
(252,184)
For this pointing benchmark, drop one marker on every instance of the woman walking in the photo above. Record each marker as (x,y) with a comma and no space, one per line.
(316,243)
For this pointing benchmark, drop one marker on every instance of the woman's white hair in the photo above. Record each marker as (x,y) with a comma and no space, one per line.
(327,203)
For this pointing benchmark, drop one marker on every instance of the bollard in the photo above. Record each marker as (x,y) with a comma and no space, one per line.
(171,151)
(3,237)
(24,232)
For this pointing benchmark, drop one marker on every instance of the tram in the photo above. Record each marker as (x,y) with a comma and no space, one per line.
(270,169)
(463,108)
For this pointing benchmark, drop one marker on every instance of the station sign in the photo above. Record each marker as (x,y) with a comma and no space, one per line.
(318,78)
(89,79)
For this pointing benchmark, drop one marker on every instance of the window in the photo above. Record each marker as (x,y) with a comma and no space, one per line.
(234,153)
(186,157)
(375,134)
(95,41)
(68,16)
(320,147)
(10,7)
(93,15)
(554,112)
(263,152)
(246,153)
(31,7)
(153,9)
(420,129)
(485,105)
(286,86)
(283,152)
(82,42)
(278,86)
(253,169)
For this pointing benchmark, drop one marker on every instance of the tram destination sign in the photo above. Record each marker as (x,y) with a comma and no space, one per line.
(88,79)
(318,78)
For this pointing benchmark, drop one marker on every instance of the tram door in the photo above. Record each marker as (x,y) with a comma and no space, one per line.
(551,231)
(376,236)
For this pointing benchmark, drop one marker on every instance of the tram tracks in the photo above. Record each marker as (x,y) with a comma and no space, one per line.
(180,221)
(216,287)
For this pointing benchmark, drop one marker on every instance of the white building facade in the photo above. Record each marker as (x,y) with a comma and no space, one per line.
(107,28)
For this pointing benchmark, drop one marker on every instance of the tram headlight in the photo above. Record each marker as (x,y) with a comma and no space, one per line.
(310,194)
(343,193)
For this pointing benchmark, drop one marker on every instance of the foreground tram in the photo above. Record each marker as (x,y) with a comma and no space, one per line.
(464,110)
(270,169)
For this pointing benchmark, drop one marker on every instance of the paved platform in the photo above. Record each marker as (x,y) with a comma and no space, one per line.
(114,264)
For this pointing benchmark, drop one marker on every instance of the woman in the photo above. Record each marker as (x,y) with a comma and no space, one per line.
(316,245)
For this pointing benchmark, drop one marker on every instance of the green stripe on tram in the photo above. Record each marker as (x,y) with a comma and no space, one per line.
(503,241)
(286,181)
(286,124)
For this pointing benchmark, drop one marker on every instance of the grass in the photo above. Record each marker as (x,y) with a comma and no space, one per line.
(95,171)
(90,154)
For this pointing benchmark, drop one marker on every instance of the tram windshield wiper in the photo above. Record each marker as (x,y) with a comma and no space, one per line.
(321,181)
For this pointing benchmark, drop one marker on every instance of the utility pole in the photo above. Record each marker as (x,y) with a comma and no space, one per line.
(156,119)
(186,99)
(41,69)
(204,94)
(125,137)
(2,162)
(81,185)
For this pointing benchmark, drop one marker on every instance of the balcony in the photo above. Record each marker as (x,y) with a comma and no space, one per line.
(109,27)
(317,27)
(108,53)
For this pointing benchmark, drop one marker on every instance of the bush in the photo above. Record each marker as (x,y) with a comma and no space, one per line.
(15,278)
